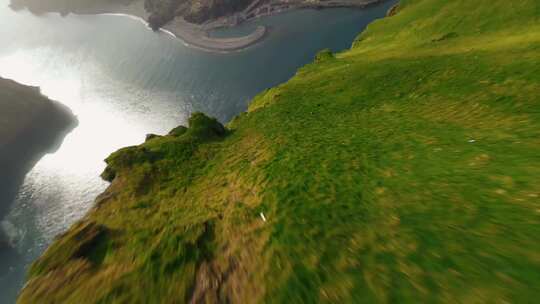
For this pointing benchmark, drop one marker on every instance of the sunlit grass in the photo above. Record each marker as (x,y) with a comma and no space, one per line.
(404,170)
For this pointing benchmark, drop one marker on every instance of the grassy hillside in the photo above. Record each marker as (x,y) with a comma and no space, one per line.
(405,170)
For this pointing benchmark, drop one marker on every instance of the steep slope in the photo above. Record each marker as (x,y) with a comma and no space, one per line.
(404,170)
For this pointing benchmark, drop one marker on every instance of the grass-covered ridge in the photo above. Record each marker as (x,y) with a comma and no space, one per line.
(405,170)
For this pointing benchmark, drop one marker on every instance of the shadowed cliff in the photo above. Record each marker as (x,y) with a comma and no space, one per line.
(30,126)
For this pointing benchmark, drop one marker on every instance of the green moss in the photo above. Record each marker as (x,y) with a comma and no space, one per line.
(150,137)
(179,141)
(178,131)
(403,170)
(204,127)
(324,55)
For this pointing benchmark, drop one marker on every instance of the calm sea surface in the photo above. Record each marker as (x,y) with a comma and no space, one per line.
(123,81)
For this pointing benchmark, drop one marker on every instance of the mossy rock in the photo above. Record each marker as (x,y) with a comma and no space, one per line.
(178,131)
(151,136)
(204,127)
(200,125)
(126,158)
(201,128)
(324,55)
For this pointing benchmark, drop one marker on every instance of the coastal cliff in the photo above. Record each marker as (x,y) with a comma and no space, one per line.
(403,170)
(30,126)
(26,117)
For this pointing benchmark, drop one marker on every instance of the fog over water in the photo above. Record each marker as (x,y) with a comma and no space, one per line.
(123,81)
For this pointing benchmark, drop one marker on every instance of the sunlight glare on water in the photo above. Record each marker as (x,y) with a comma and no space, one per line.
(72,172)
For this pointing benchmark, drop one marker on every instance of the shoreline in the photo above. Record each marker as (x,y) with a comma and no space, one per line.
(199,39)
(191,35)
(197,36)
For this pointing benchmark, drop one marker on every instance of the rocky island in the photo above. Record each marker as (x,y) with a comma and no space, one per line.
(404,170)
(191,20)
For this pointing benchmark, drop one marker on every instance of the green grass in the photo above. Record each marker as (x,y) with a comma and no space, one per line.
(404,170)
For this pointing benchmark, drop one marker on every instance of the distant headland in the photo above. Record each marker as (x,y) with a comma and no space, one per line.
(190,20)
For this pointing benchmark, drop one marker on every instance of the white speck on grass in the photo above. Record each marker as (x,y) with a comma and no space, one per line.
(472,140)
(262,216)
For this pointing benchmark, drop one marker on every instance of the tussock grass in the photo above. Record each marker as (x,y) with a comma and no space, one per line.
(403,170)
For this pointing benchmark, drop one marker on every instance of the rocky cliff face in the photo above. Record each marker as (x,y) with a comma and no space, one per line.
(212,9)
(160,11)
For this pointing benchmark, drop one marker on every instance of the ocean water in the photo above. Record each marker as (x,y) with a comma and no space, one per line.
(123,81)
